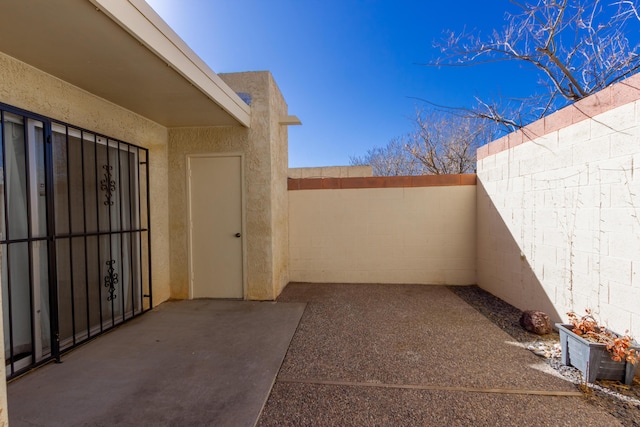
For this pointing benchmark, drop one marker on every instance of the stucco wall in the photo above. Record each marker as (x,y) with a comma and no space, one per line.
(30,89)
(559,209)
(279,137)
(264,147)
(423,235)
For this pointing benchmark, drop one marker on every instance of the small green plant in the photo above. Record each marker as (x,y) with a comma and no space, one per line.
(618,346)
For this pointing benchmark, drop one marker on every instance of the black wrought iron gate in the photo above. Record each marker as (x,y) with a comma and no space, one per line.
(74,234)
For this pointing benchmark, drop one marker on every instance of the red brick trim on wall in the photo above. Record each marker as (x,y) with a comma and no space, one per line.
(607,99)
(380,182)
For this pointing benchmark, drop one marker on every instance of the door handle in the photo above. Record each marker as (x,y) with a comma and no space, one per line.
(238,235)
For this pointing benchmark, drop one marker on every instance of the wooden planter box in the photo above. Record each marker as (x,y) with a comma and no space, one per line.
(593,359)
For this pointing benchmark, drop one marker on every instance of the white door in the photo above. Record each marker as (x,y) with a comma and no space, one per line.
(215,226)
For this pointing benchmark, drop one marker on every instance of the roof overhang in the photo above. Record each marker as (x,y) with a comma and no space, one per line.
(122,51)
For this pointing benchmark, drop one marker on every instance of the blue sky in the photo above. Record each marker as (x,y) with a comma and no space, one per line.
(348,69)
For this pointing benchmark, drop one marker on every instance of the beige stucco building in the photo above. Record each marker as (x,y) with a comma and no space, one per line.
(131,173)
(122,152)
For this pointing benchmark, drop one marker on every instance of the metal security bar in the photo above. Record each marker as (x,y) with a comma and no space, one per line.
(74,232)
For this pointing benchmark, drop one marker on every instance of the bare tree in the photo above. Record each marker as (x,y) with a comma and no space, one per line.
(629,8)
(578,46)
(445,143)
(390,160)
(441,143)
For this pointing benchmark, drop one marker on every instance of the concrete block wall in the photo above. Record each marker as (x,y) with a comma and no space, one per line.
(559,211)
(331,172)
(383,230)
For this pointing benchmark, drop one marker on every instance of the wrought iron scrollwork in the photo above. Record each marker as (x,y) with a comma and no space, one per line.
(108,185)
(111,280)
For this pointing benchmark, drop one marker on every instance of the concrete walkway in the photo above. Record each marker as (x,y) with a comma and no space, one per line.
(362,355)
(186,363)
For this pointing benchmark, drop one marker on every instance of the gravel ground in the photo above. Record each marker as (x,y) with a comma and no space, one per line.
(411,355)
(617,399)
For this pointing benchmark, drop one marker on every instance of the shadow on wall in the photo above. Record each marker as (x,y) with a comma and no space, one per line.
(502,268)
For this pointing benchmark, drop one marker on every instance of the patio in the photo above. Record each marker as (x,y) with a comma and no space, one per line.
(360,355)
(198,362)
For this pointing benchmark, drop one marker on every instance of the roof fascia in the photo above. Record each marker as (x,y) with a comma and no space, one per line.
(144,24)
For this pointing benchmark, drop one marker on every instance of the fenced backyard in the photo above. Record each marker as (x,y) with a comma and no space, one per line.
(552,221)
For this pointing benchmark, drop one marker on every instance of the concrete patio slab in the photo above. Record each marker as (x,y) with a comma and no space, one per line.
(200,362)
(389,355)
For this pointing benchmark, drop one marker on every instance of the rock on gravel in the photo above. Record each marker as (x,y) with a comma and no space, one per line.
(536,321)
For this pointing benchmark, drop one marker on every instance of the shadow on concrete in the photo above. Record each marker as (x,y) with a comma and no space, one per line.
(185,363)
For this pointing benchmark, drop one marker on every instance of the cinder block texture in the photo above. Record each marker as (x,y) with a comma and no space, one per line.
(331,172)
(421,235)
(563,233)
